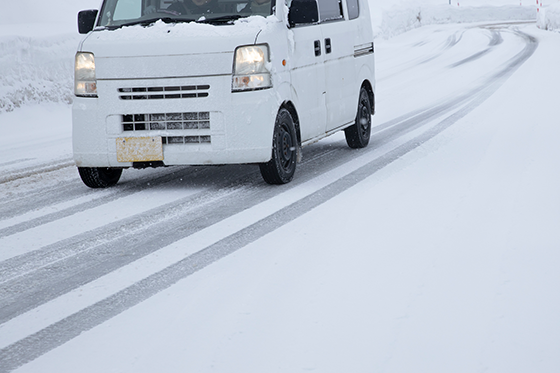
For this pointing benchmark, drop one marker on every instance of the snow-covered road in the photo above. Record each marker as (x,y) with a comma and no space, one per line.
(434,249)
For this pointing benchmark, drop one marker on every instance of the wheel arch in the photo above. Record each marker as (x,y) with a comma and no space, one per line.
(366,84)
(288,105)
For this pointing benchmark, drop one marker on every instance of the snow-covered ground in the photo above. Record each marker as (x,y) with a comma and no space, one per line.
(436,249)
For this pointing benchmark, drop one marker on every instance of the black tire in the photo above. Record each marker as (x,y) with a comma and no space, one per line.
(281,168)
(97,177)
(358,134)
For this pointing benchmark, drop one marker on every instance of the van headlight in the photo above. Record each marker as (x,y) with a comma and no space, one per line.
(250,68)
(85,83)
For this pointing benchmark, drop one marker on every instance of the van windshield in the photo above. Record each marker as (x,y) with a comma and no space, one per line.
(118,13)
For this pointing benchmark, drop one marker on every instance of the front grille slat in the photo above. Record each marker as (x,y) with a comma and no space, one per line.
(171,140)
(162,93)
(196,121)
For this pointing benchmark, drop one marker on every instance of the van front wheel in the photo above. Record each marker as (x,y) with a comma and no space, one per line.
(357,135)
(99,177)
(281,168)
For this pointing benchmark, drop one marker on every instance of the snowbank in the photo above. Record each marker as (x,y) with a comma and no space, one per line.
(396,20)
(36,58)
(38,40)
(548,17)
(36,69)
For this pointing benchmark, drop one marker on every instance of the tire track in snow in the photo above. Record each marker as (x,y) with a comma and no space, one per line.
(29,171)
(49,198)
(32,280)
(203,177)
(68,264)
(93,247)
(64,330)
(65,193)
(495,39)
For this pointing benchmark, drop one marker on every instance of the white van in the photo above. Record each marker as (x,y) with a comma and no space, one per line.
(203,82)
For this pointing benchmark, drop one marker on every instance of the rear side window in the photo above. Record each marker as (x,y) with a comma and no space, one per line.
(330,10)
(353,9)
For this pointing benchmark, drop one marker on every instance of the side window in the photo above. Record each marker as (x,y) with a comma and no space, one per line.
(128,9)
(330,10)
(353,9)
(303,12)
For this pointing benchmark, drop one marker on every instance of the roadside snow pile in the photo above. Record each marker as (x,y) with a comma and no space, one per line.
(36,69)
(549,17)
(397,20)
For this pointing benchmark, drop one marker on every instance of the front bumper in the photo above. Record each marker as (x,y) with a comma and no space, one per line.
(199,119)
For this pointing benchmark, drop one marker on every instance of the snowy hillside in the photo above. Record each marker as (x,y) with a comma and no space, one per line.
(38,40)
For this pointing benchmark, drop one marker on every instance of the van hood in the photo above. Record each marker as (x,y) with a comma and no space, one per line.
(167,50)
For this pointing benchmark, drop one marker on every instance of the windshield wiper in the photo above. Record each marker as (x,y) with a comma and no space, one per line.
(147,22)
(223,19)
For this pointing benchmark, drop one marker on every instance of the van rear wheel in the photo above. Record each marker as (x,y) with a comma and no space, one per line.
(281,168)
(99,177)
(358,134)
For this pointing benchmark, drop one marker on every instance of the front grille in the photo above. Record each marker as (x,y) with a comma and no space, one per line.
(162,93)
(166,121)
(199,122)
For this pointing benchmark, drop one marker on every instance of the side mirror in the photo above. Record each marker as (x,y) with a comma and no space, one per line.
(303,12)
(86,20)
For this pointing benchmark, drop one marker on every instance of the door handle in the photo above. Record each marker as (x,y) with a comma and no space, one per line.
(328,47)
(317,48)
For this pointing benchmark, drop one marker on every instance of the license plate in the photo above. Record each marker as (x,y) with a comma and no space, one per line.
(139,149)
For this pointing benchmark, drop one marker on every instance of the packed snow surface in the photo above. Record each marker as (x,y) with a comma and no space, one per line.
(435,249)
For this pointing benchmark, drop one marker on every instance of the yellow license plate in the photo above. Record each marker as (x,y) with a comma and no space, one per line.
(139,149)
